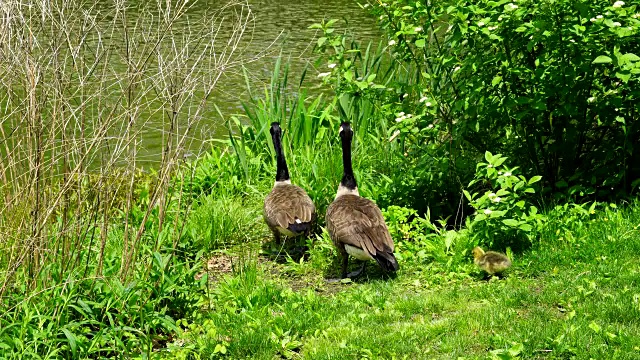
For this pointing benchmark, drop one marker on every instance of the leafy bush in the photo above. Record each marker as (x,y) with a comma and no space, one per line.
(567,219)
(553,84)
(87,317)
(419,240)
(372,90)
(503,214)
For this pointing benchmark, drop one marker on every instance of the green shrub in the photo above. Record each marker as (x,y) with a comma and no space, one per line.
(375,93)
(418,240)
(504,214)
(553,84)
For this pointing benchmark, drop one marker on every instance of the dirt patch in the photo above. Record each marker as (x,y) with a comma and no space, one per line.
(217,266)
(315,281)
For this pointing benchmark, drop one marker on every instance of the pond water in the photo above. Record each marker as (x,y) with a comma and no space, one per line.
(279,26)
(286,22)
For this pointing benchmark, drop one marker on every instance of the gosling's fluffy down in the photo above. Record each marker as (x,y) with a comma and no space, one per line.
(492,262)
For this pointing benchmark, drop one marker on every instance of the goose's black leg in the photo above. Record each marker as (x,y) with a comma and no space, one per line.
(345,264)
(355,274)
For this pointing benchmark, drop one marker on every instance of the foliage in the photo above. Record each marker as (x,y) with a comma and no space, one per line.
(95,261)
(552,84)
(372,90)
(359,77)
(112,264)
(503,213)
(576,218)
(222,221)
(417,239)
(103,316)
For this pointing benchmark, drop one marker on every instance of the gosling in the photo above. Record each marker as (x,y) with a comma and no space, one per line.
(492,262)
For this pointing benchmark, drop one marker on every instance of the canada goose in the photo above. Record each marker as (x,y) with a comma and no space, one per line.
(355,224)
(492,262)
(288,210)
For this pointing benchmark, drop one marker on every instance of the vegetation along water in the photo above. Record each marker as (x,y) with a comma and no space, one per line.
(137,152)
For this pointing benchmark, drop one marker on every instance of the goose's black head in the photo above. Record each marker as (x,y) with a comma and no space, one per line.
(275,129)
(346,133)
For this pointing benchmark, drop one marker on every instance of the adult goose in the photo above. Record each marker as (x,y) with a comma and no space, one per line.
(288,210)
(355,224)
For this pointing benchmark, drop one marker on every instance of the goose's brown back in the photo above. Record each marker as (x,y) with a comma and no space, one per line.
(357,221)
(287,203)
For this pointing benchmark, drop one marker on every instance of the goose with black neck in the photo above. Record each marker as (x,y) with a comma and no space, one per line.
(356,224)
(288,210)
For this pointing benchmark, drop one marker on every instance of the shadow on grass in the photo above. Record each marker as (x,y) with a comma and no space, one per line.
(294,248)
(372,271)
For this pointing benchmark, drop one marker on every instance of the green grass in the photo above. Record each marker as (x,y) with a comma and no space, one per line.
(577,299)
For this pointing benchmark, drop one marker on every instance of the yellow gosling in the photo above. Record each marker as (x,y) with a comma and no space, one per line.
(492,262)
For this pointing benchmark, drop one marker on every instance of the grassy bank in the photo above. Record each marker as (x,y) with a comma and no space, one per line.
(575,294)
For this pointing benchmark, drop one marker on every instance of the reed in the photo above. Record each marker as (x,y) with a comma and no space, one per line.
(81,84)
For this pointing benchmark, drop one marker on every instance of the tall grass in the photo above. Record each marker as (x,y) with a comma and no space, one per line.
(80,86)
(246,166)
(89,243)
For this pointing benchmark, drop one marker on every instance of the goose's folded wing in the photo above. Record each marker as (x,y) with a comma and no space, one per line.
(359,222)
(285,204)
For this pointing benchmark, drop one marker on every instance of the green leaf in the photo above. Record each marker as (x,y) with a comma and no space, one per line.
(511,222)
(535,179)
(526,227)
(321,41)
(502,192)
(220,349)
(539,105)
(628,57)
(623,76)
(516,349)
(499,161)
(488,156)
(72,341)
(449,238)
(496,80)
(602,59)
(420,43)
(595,327)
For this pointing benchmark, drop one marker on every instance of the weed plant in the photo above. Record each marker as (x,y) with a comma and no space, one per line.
(95,261)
